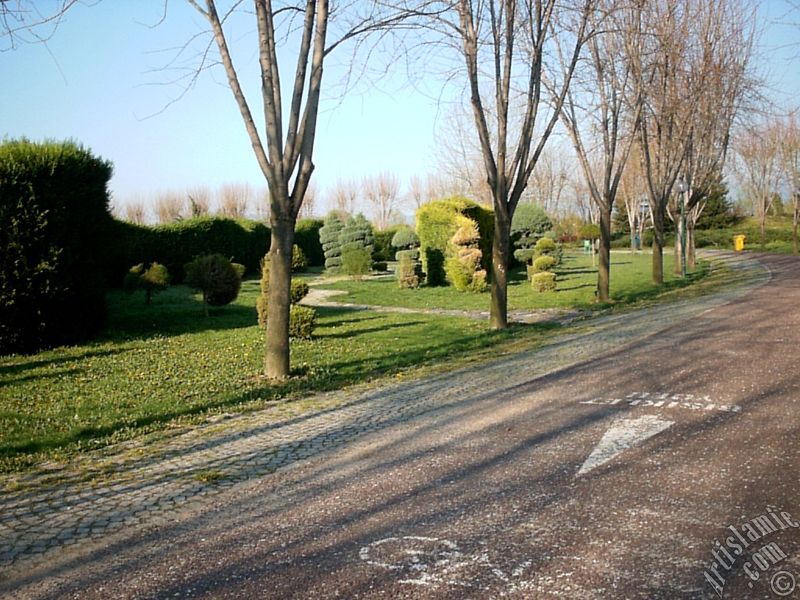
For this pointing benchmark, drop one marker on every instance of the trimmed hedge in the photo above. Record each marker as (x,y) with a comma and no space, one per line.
(438,222)
(306,235)
(55,230)
(176,244)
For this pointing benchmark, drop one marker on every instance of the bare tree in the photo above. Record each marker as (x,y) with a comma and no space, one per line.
(284,149)
(758,168)
(790,162)
(344,195)
(504,48)
(234,198)
(135,212)
(307,210)
(601,119)
(382,191)
(199,201)
(416,191)
(29,21)
(169,207)
(549,181)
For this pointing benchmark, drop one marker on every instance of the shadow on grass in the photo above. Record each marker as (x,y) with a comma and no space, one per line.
(174,312)
(304,381)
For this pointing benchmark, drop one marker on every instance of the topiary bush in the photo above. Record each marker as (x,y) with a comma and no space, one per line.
(543,263)
(544,282)
(463,264)
(529,223)
(382,240)
(357,232)
(405,239)
(302,320)
(152,279)
(214,276)
(298,290)
(409,272)
(437,223)
(299,262)
(55,238)
(329,239)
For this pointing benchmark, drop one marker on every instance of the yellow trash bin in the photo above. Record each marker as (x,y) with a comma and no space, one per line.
(738,242)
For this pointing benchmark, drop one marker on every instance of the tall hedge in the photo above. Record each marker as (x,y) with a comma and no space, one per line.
(329,239)
(306,235)
(176,244)
(55,226)
(437,223)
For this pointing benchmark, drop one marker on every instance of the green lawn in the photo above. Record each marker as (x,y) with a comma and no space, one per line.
(164,365)
(577,281)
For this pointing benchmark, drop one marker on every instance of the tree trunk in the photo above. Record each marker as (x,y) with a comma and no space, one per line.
(280,276)
(763,229)
(658,247)
(795,220)
(678,249)
(691,253)
(498,316)
(604,270)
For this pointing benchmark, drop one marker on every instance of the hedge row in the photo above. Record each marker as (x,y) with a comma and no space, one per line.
(176,244)
(54,237)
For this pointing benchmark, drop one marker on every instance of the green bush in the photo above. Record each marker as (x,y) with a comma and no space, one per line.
(409,272)
(357,232)
(544,282)
(306,235)
(545,246)
(55,238)
(543,263)
(240,269)
(302,320)
(299,262)
(405,238)
(524,255)
(329,239)
(298,290)
(214,276)
(356,260)
(529,223)
(153,279)
(380,266)
(177,244)
(463,263)
(412,254)
(437,223)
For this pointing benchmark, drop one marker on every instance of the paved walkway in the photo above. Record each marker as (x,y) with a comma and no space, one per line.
(140,482)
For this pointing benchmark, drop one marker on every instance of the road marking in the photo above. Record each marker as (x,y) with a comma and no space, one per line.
(623,434)
(664,401)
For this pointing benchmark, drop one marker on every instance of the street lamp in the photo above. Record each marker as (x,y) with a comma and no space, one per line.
(683,190)
(644,208)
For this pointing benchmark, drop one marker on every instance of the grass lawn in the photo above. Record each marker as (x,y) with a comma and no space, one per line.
(577,280)
(166,365)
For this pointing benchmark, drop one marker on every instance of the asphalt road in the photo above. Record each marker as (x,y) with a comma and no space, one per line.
(667,468)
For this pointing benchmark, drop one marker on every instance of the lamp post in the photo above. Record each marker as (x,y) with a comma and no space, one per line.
(683,190)
(644,208)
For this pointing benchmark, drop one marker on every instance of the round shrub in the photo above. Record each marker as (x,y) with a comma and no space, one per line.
(543,263)
(524,255)
(298,291)
(545,246)
(405,238)
(302,320)
(153,279)
(214,276)
(544,282)
(409,272)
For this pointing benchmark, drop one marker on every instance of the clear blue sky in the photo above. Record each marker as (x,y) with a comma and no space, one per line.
(95,82)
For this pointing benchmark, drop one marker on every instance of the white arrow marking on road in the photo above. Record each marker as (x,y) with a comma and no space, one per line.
(623,434)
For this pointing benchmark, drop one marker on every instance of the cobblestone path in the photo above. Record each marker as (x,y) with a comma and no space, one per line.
(140,482)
